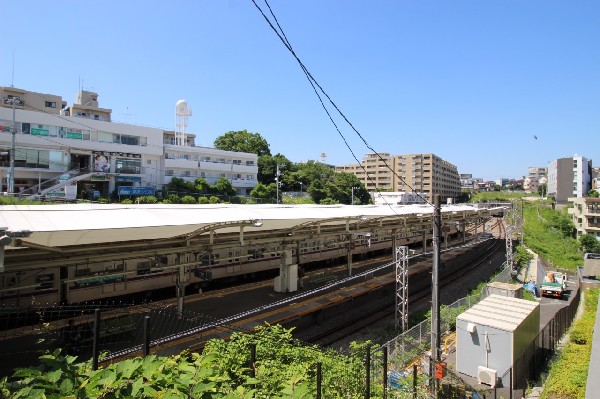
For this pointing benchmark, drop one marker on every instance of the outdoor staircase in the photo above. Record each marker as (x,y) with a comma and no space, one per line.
(56,183)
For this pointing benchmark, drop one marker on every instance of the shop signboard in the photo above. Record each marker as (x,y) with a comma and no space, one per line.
(137,191)
(74,135)
(100,177)
(39,131)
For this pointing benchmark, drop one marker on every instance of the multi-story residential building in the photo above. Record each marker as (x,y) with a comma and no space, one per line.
(425,173)
(532,181)
(58,146)
(569,177)
(596,178)
(586,215)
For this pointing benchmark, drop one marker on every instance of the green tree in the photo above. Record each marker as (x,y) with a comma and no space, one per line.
(243,141)
(223,187)
(341,189)
(264,191)
(589,243)
(593,194)
(267,169)
(201,185)
(180,186)
(542,189)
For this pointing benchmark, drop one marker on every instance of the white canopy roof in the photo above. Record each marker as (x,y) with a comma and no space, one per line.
(78,224)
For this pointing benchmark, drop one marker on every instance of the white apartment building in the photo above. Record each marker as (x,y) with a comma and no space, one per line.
(569,177)
(59,147)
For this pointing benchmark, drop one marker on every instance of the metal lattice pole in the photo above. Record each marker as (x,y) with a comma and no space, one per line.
(402,288)
(509,246)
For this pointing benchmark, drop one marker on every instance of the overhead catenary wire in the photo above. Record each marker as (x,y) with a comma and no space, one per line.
(281,35)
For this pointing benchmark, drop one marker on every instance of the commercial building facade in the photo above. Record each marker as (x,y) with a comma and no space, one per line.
(569,177)
(426,173)
(80,146)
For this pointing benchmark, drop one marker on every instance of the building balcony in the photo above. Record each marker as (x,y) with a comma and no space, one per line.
(180,163)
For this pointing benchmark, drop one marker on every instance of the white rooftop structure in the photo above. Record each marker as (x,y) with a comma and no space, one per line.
(80,224)
(492,335)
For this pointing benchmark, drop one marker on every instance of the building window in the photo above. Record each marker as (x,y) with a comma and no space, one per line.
(131,166)
(50,104)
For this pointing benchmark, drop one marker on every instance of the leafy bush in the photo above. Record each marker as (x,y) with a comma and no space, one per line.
(148,199)
(173,199)
(188,199)
(214,200)
(127,201)
(203,200)
(284,369)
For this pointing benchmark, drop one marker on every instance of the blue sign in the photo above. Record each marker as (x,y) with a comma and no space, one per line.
(137,191)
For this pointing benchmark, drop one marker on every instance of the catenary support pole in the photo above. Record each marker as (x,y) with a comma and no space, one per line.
(435,304)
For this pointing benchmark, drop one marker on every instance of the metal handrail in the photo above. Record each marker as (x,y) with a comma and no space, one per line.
(38,188)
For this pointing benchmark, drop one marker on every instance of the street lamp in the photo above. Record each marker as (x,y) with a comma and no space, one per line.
(301,189)
(354,188)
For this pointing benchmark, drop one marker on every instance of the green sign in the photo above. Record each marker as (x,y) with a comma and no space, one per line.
(74,135)
(39,132)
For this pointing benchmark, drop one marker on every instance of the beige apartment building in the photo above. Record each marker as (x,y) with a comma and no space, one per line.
(425,173)
(585,214)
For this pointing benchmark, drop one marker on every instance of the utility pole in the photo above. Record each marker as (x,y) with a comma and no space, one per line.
(11,172)
(277,182)
(354,188)
(436,355)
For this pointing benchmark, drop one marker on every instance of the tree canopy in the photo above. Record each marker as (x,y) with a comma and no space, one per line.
(243,141)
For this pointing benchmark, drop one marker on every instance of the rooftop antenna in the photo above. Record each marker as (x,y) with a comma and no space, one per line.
(323,157)
(182,112)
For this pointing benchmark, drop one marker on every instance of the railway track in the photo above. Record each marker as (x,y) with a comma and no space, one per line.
(363,320)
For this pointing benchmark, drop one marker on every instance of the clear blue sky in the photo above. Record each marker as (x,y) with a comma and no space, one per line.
(471,81)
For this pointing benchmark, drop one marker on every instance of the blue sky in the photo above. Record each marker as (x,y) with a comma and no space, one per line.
(471,81)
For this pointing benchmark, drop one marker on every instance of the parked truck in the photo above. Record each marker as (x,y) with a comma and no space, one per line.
(554,284)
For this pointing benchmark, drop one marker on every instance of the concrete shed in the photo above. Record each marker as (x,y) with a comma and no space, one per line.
(492,335)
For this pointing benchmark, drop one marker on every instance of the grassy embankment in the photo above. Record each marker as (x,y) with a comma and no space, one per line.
(568,374)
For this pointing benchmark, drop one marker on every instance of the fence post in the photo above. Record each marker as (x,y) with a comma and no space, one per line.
(146,350)
(252,359)
(385,371)
(319,380)
(414,381)
(96,338)
(368,373)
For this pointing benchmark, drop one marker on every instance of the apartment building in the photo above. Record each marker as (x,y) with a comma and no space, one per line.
(535,176)
(569,177)
(76,148)
(586,215)
(426,173)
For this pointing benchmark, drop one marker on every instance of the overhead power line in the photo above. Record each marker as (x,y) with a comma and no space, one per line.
(313,82)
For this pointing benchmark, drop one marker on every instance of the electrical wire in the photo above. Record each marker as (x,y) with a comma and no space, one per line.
(314,83)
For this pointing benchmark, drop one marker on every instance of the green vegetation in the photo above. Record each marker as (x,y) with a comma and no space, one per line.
(497,196)
(568,375)
(283,369)
(18,201)
(550,235)
(318,180)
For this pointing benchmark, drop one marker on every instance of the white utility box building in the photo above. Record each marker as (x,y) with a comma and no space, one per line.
(492,335)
